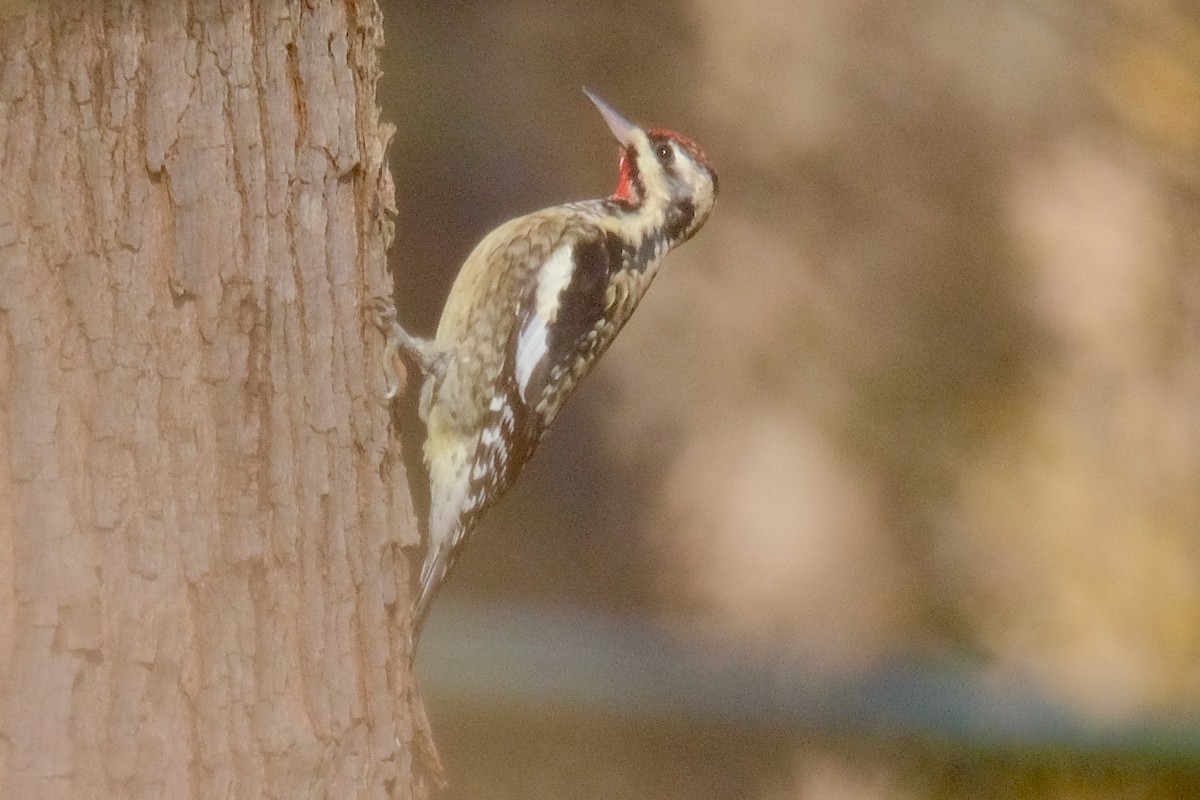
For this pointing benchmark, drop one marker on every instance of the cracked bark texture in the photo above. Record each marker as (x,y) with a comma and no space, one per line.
(202,580)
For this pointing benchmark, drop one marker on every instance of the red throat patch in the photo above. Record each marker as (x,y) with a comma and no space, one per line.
(627,184)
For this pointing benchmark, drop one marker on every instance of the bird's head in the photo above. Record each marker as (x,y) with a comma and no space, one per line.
(661,169)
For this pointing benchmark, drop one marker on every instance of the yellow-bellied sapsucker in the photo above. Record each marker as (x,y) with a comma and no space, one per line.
(536,303)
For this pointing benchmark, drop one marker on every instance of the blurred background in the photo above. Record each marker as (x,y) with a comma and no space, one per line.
(891,488)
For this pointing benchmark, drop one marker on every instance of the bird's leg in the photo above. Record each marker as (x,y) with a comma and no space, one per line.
(424,352)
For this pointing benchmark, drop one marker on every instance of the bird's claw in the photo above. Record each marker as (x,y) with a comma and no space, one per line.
(383,314)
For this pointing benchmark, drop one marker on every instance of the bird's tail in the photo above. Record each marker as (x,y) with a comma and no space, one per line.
(437,564)
(449,482)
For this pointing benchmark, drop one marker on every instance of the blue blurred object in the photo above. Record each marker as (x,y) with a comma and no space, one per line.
(554,659)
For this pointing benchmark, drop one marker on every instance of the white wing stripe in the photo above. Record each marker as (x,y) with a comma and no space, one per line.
(533,342)
(531,349)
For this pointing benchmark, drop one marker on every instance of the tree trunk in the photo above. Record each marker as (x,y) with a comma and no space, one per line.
(202,581)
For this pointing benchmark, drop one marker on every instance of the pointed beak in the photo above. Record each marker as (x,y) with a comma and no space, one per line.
(621,128)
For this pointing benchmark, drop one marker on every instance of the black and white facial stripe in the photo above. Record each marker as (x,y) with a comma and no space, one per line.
(680,175)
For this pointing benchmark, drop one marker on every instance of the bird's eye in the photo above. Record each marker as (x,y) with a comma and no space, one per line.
(665,153)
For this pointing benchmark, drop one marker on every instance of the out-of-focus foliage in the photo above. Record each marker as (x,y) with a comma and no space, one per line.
(929,379)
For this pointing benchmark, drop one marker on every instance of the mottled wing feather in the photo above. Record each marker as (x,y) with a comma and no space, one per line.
(523,408)
(576,333)
(502,450)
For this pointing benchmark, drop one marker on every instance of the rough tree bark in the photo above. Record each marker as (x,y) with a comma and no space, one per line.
(202,580)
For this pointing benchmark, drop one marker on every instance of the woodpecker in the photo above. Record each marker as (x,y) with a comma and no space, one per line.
(536,303)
